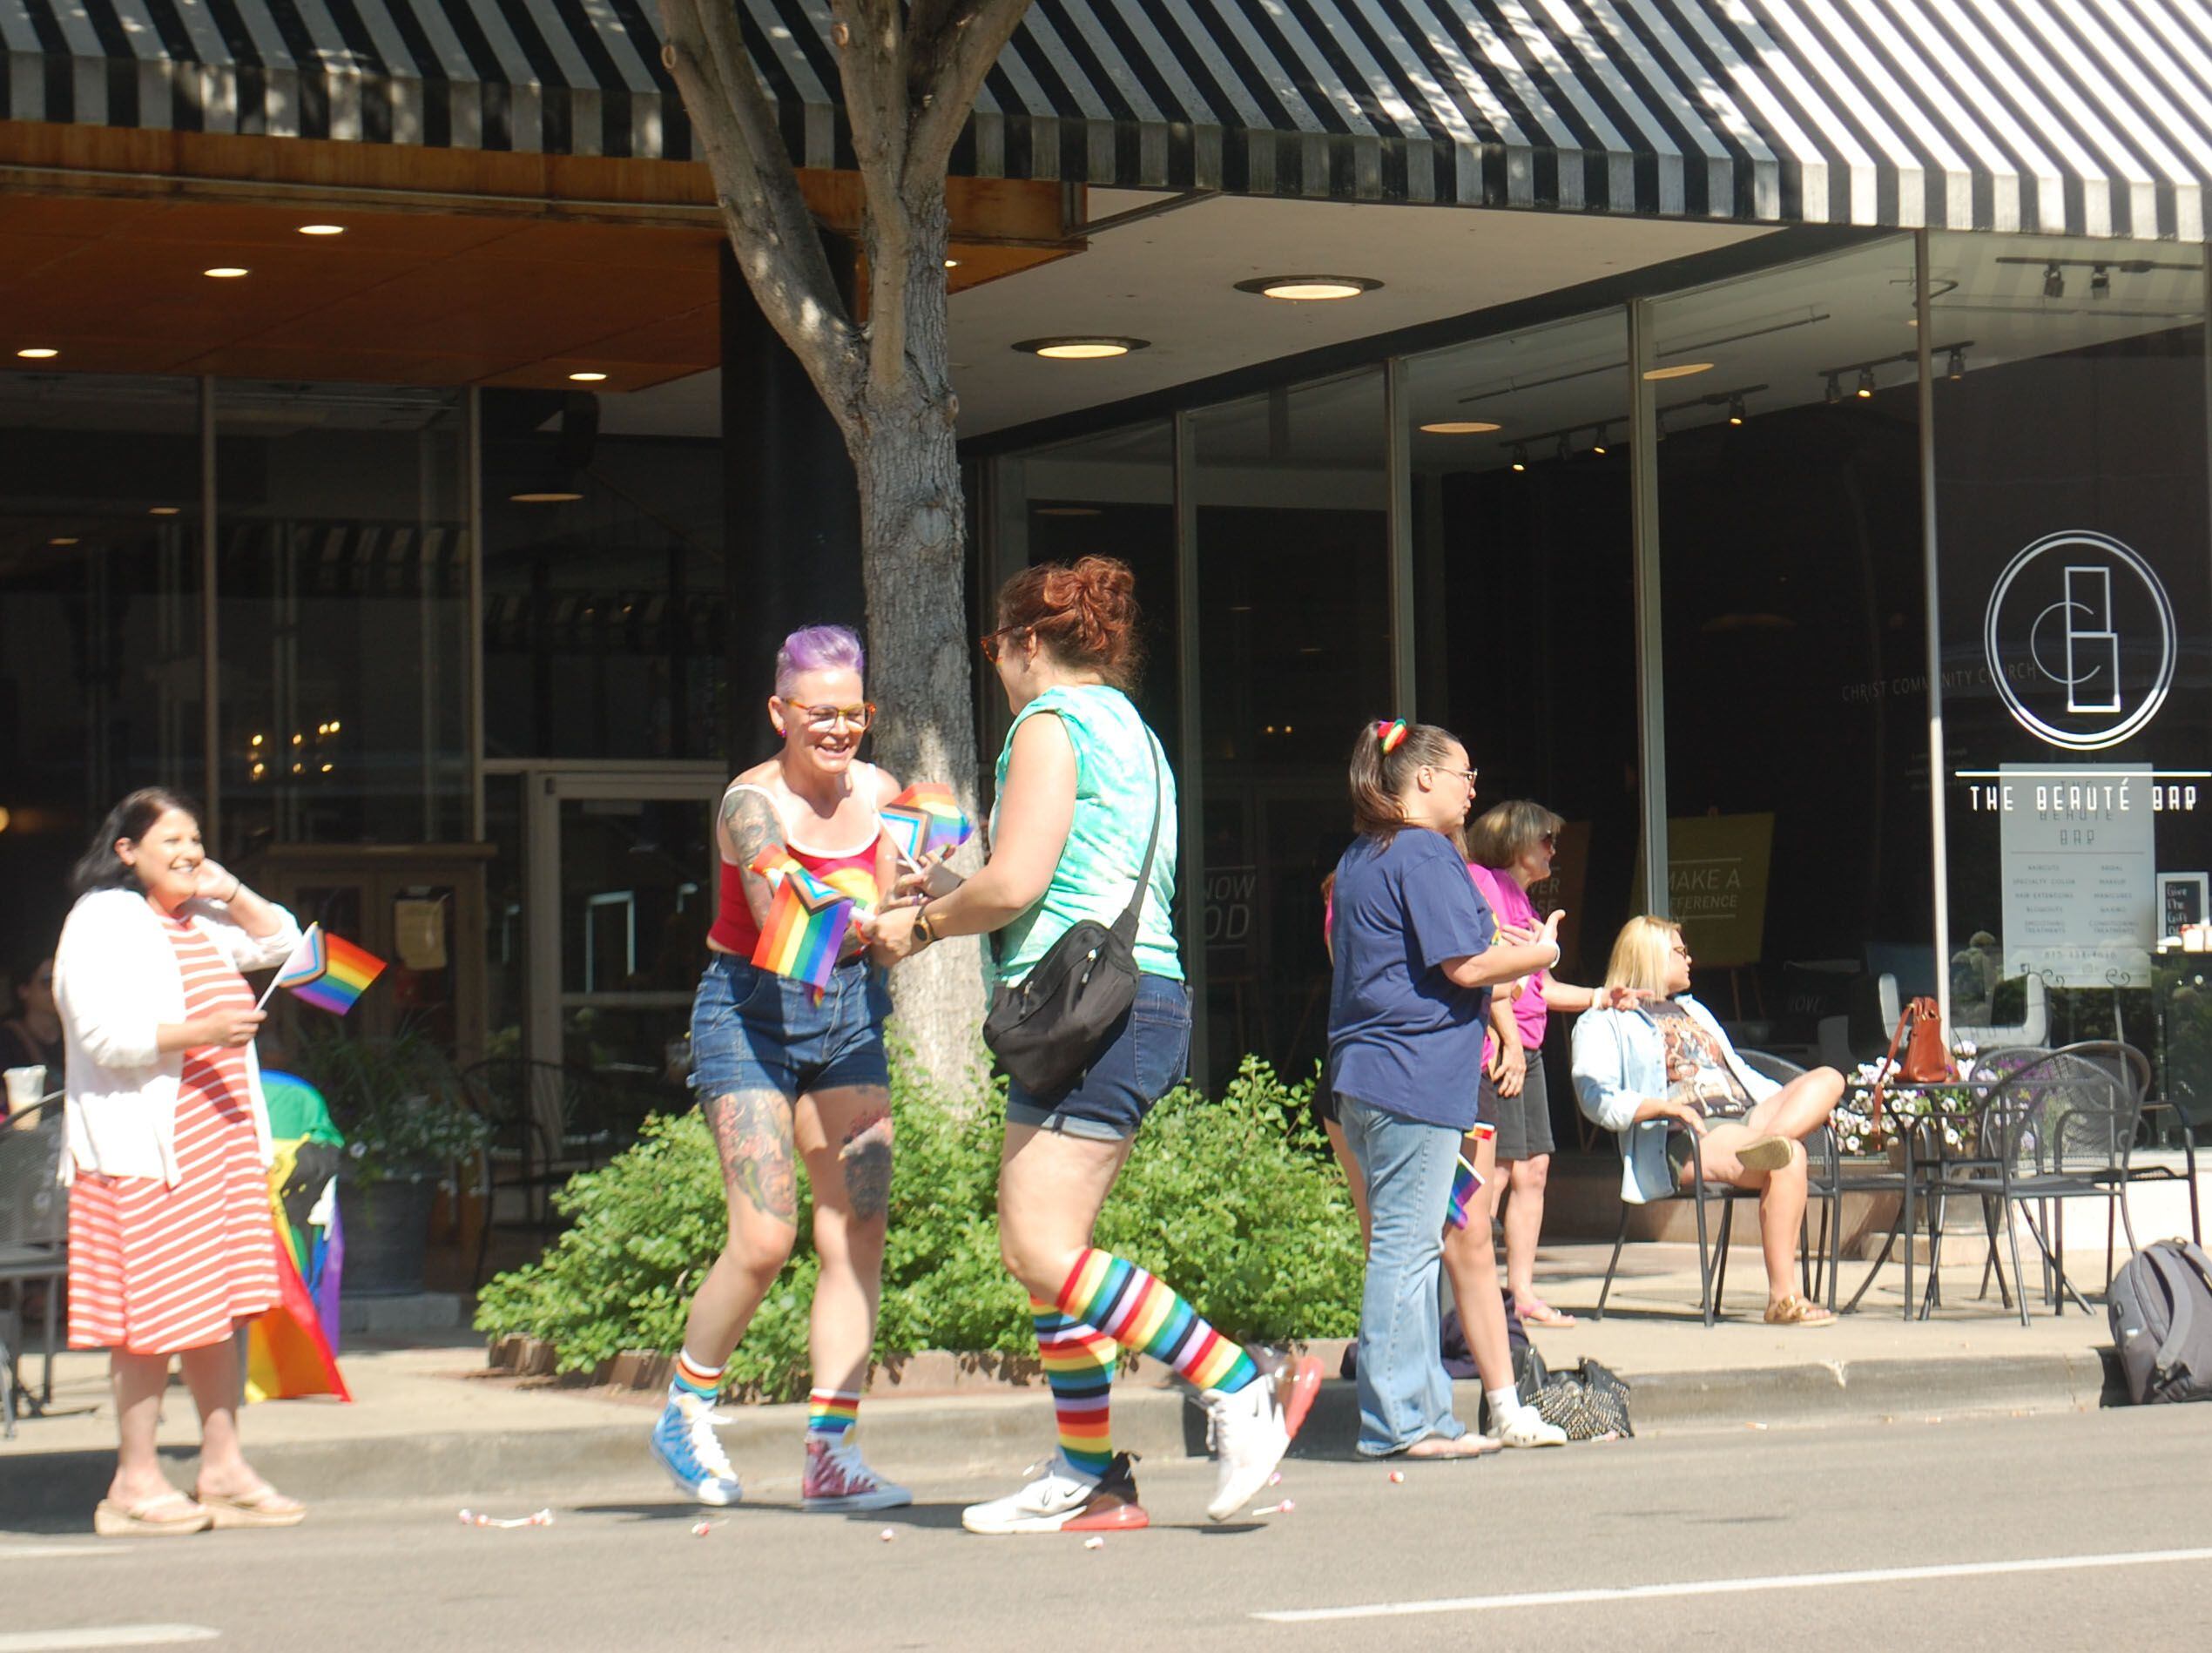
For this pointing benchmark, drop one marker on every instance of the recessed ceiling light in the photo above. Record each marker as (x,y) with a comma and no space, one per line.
(62,539)
(322,229)
(1460,428)
(1309,287)
(587,378)
(1081,349)
(163,510)
(1681,370)
(952,264)
(39,353)
(224,271)
(545,496)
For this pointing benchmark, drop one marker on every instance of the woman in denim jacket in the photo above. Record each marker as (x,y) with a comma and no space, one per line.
(1664,1071)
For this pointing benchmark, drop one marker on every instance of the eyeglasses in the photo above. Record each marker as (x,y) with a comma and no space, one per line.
(990,641)
(1549,841)
(822,718)
(1680,952)
(1467,775)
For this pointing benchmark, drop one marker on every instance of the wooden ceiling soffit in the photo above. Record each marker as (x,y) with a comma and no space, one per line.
(53,157)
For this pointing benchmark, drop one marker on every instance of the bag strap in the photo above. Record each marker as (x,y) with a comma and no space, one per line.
(2174,1278)
(1889,1066)
(1125,926)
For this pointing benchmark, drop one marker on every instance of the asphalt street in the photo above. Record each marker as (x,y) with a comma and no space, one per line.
(2035,1533)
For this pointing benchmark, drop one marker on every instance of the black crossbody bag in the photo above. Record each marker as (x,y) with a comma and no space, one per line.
(1046,1031)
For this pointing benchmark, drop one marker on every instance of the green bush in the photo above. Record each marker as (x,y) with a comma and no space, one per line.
(1232,1201)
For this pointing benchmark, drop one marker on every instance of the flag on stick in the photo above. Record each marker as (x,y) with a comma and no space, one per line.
(1466,1183)
(925,818)
(327,971)
(807,923)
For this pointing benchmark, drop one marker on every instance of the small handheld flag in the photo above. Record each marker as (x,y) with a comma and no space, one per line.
(1466,1183)
(807,923)
(925,818)
(327,971)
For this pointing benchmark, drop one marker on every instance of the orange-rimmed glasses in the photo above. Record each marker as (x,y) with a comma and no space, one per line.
(990,641)
(824,718)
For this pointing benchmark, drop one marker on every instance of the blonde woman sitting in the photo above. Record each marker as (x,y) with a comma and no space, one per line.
(1664,1071)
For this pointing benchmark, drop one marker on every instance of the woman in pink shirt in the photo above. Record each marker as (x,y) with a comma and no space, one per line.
(1509,849)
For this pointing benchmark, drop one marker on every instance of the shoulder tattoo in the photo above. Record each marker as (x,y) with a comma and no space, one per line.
(751,820)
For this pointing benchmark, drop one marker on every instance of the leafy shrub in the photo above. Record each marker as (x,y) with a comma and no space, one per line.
(1229,1200)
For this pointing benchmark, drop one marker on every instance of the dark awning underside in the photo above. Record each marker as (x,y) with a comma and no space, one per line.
(2084,116)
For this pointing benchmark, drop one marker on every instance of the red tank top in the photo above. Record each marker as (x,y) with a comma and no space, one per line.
(734,930)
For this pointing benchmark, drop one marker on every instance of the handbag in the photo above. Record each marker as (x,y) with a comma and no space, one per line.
(1920,1030)
(1046,1030)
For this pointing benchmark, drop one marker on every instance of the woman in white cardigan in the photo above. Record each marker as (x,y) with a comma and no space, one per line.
(171,1241)
(1661,1071)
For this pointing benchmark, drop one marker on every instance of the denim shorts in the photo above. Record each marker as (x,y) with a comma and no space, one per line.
(1145,1056)
(752,1029)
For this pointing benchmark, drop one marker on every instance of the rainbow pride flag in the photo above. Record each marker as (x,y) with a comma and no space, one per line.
(925,818)
(807,923)
(1466,1183)
(327,971)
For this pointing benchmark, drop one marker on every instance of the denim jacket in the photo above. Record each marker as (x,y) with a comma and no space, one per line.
(1620,1059)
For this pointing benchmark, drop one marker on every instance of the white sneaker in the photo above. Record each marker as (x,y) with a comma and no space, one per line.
(1527,1427)
(1057,1501)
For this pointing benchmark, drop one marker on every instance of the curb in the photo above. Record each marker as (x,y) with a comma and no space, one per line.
(988,1435)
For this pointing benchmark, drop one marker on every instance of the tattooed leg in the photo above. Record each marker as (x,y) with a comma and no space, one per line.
(752,1134)
(847,1142)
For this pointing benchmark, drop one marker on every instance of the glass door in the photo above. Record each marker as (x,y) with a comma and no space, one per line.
(621,879)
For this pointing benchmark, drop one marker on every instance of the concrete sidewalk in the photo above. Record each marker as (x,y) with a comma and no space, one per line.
(432,1419)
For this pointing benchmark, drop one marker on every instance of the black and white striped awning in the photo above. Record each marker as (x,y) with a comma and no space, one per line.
(2086,117)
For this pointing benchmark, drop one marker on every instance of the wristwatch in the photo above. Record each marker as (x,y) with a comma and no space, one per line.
(922,930)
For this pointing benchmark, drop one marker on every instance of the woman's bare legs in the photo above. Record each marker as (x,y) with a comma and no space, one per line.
(1799,1108)
(212,1375)
(753,1137)
(845,1138)
(138,1380)
(1525,1180)
(1781,1196)
(1471,1263)
(1354,1178)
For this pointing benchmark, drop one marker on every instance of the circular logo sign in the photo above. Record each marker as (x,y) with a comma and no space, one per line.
(2080,640)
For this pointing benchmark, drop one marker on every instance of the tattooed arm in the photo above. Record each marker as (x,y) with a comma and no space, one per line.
(749,824)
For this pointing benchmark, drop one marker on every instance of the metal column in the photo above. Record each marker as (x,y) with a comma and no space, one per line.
(1940,860)
(1651,697)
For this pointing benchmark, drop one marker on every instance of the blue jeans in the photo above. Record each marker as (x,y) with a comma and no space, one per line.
(752,1029)
(1405,1393)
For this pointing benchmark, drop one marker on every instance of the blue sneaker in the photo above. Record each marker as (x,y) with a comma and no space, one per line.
(686,1445)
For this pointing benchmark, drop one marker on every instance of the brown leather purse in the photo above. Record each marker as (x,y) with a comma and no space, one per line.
(1927,1059)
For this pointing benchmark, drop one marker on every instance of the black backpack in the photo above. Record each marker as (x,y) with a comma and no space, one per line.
(2160,1308)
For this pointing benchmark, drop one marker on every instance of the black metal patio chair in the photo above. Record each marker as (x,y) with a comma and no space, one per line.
(34,1247)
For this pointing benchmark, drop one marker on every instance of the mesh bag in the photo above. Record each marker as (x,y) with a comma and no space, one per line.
(1590,1401)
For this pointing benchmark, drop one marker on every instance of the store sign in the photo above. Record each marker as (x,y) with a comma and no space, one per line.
(2079,903)
(2080,640)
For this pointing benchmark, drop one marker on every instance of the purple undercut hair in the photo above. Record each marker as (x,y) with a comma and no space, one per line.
(818,648)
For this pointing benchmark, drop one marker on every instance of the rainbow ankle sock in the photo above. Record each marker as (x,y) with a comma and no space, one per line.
(830,1412)
(694,1378)
(1139,1313)
(1079,1365)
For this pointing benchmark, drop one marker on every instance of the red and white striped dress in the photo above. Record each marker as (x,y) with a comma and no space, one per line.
(155,1269)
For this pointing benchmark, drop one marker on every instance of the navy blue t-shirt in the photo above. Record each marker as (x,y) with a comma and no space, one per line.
(1401,1036)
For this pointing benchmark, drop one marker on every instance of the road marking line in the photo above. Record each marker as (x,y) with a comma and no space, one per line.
(104,1636)
(37,1552)
(1729,1586)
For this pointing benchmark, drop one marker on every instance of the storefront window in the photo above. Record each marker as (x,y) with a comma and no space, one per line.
(606,593)
(100,621)
(1109,495)
(1524,619)
(1794,645)
(2077,631)
(343,576)
(1294,550)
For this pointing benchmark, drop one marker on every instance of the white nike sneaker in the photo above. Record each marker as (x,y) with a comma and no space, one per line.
(1251,1430)
(1061,1501)
(1527,1427)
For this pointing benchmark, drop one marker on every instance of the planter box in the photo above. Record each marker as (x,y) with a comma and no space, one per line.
(388,1235)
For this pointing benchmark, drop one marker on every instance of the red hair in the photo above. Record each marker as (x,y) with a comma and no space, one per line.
(1084,612)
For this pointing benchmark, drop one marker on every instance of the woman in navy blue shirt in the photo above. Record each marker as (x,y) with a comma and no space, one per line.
(1416,952)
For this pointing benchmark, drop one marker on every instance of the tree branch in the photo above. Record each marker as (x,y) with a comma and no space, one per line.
(951,65)
(770,227)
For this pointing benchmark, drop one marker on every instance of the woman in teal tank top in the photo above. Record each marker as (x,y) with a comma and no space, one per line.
(1081,782)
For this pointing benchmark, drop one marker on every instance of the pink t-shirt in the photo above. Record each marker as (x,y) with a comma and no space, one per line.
(1511,903)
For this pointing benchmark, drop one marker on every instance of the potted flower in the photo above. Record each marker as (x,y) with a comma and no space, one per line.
(397,1103)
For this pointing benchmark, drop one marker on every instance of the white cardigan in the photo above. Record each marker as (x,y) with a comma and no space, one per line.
(116,982)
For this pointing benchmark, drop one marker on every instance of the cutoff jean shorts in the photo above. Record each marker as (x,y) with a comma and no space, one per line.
(1145,1056)
(752,1029)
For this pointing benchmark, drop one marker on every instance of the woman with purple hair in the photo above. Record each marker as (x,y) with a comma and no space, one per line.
(786,1074)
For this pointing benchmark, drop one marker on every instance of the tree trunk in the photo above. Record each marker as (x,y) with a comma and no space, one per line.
(906,459)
